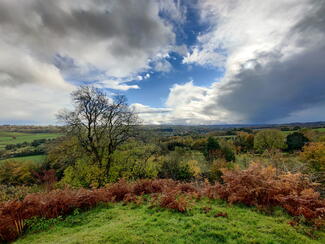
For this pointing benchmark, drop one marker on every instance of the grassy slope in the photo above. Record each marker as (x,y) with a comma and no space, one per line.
(6,137)
(116,223)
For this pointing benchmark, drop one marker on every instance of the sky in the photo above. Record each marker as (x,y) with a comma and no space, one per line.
(187,62)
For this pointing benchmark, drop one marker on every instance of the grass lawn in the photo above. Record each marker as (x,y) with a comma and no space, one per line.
(35,158)
(7,137)
(118,223)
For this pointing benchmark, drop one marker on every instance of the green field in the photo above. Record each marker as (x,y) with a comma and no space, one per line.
(320,129)
(7,137)
(118,223)
(35,158)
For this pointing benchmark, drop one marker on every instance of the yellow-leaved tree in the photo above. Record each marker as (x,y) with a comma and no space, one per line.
(314,154)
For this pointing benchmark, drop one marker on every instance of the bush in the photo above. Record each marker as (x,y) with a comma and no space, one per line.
(269,139)
(296,141)
(183,165)
(216,167)
(175,171)
(83,174)
(62,153)
(262,187)
(212,148)
(244,141)
(227,151)
(314,154)
(16,192)
(17,173)
(135,160)
(173,199)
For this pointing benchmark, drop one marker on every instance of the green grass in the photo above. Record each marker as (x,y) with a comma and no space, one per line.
(320,129)
(7,137)
(118,223)
(35,158)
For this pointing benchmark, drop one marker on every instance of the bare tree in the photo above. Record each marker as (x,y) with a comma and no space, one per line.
(100,123)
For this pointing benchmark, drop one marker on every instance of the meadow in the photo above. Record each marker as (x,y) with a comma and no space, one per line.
(7,138)
(131,223)
(23,146)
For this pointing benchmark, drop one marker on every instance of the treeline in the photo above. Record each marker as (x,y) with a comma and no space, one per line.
(104,142)
(36,147)
(31,128)
(180,158)
(224,130)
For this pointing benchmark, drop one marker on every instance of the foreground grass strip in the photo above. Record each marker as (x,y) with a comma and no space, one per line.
(118,223)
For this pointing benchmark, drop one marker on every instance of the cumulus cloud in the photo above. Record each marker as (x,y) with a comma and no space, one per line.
(174,9)
(184,105)
(163,66)
(31,104)
(48,43)
(273,55)
(100,34)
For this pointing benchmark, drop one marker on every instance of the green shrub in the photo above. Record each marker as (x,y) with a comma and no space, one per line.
(62,153)
(227,151)
(135,160)
(17,172)
(269,139)
(296,141)
(212,148)
(314,154)
(183,165)
(216,167)
(83,174)
(244,141)
(16,192)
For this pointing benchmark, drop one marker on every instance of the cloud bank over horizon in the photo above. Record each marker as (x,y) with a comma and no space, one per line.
(267,61)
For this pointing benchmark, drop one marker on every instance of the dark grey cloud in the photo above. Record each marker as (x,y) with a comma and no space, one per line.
(275,84)
(115,36)
(273,91)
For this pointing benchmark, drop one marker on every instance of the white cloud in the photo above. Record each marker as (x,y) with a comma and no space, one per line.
(184,105)
(205,57)
(174,10)
(45,43)
(18,67)
(273,54)
(163,66)
(118,37)
(32,103)
(117,84)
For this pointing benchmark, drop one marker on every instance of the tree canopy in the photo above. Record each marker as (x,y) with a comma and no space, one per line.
(99,123)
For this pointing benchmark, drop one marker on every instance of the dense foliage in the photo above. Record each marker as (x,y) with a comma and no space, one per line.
(314,154)
(296,141)
(269,139)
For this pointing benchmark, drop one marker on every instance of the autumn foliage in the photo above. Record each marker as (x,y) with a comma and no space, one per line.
(314,154)
(257,186)
(263,187)
(62,202)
